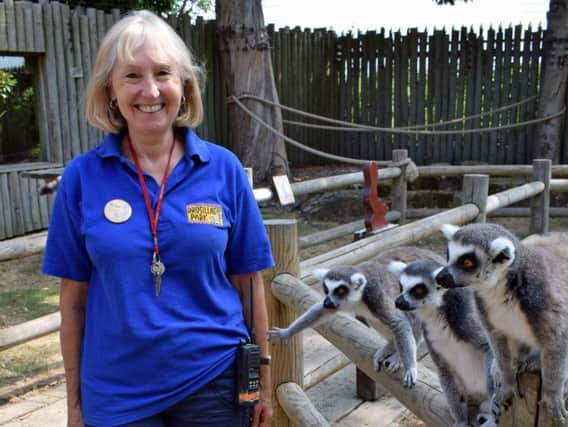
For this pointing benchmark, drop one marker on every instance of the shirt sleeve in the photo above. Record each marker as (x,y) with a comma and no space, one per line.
(65,253)
(248,248)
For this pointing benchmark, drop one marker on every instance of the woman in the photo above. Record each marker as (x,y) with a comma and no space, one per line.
(158,242)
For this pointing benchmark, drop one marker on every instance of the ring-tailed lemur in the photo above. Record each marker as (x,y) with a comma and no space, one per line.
(369,290)
(522,297)
(456,339)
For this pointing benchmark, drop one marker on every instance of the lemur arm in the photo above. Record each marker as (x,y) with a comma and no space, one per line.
(405,344)
(315,314)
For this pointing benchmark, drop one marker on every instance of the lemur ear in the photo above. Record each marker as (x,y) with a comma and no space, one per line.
(396,267)
(448,230)
(320,273)
(358,280)
(502,251)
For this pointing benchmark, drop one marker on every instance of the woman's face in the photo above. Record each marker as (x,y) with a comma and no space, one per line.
(148,90)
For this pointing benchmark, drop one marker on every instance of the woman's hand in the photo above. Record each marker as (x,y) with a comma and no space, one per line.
(262,414)
(75,417)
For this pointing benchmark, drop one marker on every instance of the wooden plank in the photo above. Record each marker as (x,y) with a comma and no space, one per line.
(68,51)
(506,97)
(16,204)
(389,108)
(372,102)
(422,97)
(20,25)
(398,100)
(404,82)
(63,110)
(35,203)
(89,32)
(486,88)
(496,142)
(11,25)
(534,81)
(3,28)
(453,71)
(445,141)
(477,95)
(101,29)
(5,210)
(517,144)
(26,203)
(29,26)
(54,140)
(381,94)
(78,76)
(523,94)
(39,36)
(412,37)
(470,93)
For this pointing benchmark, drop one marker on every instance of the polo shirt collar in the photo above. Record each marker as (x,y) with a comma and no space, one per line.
(195,147)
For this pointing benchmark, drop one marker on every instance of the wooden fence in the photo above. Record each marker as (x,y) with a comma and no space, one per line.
(377,78)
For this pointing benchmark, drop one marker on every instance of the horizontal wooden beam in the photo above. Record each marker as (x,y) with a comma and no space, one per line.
(27,331)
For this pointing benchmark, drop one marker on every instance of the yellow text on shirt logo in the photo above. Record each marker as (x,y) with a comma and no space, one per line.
(204,214)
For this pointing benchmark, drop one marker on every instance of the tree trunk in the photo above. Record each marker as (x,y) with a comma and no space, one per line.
(553,81)
(247,69)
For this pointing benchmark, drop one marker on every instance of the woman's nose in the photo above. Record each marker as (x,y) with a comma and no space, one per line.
(150,87)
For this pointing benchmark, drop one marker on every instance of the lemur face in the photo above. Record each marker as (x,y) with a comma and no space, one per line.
(473,265)
(418,287)
(342,286)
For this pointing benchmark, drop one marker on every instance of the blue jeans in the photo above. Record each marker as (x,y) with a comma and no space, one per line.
(213,405)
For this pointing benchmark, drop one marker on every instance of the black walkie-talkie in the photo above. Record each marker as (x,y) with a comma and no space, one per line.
(248,365)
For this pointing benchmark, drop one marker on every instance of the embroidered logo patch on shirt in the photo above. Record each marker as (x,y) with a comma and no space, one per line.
(204,214)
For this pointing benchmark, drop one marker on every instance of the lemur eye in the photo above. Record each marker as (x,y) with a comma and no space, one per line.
(340,291)
(419,291)
(467,262)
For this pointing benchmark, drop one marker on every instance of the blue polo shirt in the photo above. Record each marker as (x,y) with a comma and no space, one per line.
(142,353)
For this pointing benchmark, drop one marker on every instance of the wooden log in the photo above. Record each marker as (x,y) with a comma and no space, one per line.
(558,185)
(22,246)
(399,186)
(540,204)
(493,170)
(501,212)
(364,249)
(340,231)
(325,370)
(288,362)
(298,407)
(475,189)
(514,195)
(27,331)
(359,344)
(338,181)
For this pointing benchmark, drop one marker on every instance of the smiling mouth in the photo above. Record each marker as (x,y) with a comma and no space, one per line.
(150,108)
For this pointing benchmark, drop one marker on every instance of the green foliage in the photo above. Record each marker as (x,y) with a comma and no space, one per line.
(7,84)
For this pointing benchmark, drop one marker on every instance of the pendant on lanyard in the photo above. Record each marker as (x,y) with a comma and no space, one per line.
(157,267)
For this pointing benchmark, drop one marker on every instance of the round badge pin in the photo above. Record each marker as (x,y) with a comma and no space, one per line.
(118,211)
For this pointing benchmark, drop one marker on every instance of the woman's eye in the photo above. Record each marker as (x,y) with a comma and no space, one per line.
(131,75)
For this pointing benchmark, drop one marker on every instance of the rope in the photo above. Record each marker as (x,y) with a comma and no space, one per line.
(415,127)
(309,149)
(365,128)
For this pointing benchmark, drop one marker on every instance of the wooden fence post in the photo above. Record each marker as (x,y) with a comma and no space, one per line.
(475,189)
(287,359)
(399,186)
(540,204)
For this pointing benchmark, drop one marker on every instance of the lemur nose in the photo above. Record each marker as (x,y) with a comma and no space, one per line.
(445,279)
(328,303)
(402,304)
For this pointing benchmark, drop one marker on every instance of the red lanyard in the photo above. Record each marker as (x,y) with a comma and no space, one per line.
(153,217)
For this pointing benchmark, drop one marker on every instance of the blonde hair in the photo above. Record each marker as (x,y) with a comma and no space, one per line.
(119,43)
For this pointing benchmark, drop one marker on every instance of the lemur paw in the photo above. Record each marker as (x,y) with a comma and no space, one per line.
(556,408)
(277,335)
(410,377)
(504,397)
(380,356)
(392,363)
(486,420)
